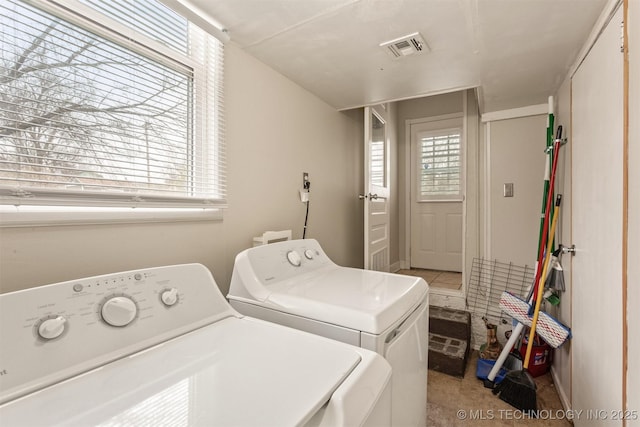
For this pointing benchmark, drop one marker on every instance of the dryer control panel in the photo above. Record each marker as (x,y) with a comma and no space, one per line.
(261,266)
(283,260)
(52,332)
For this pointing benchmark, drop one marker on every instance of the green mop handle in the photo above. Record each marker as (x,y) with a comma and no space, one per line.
(547,216)
(547,170)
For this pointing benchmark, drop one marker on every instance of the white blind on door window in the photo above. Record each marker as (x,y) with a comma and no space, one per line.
(89,117)
(439,164)
(378,159)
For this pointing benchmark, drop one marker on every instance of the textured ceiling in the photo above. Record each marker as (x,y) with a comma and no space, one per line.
(515,51)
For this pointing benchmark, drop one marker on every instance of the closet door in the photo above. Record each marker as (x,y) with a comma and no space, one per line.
(597,196)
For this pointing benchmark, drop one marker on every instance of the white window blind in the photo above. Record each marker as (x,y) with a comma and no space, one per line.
(439,158)
(109,103)
(377,153)
(378,158)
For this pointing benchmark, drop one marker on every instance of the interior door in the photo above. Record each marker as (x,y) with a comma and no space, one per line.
(436,194)
(596,225)
(376,189)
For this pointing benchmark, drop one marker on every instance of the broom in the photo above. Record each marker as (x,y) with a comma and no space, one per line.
(518,387)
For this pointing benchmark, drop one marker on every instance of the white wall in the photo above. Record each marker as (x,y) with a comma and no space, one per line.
(275,131)
(516,155)
(511,150)
(32,256)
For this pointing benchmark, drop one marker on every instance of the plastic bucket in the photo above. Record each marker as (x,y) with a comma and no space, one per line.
(541,358)
(484,367)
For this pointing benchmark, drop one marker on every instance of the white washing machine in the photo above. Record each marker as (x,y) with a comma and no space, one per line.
(162,347)
(294,283)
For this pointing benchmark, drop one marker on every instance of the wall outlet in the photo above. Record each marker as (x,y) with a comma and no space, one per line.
(305,180)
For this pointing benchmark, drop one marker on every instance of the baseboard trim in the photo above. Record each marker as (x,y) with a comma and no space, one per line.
(564,399)
(395,266)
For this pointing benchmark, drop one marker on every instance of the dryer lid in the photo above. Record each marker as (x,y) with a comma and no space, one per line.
(363,300)
(241,372)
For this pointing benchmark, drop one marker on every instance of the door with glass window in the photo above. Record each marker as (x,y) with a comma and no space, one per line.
(376,187)
(436,194)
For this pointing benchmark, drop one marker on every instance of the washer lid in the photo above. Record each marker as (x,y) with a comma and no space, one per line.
(240,372)
(364,300)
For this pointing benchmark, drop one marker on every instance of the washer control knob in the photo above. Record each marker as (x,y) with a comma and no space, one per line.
(169,297)
(119,311)
(309,254)
(294,258)
(52,328)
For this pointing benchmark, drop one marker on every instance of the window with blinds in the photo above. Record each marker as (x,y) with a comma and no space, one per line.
(112,103)
(439,165)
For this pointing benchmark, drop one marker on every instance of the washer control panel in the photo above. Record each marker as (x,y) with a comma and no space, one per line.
(50,332)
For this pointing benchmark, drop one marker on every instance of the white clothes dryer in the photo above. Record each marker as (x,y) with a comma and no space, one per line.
(162,347)
(294,283)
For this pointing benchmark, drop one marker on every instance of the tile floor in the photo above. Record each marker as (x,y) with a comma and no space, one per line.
(464,402)
(436,278)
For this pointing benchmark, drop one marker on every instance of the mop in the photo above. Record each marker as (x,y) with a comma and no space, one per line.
(518,387)
(552,331)
(549,329)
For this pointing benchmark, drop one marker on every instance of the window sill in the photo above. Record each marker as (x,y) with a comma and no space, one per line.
(45,216)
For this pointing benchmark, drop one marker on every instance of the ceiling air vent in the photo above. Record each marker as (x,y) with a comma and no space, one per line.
(405,46)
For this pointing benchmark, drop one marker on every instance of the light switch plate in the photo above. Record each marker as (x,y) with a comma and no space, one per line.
(508,189)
